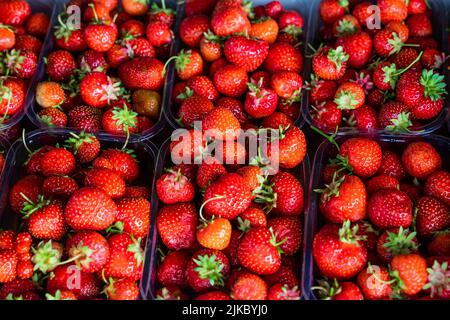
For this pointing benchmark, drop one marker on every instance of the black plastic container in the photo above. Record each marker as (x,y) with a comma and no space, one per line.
(13,171)
(326,150)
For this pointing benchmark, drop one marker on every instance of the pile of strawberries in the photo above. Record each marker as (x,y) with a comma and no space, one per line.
(385,78)
(84,222)
(387,214)
(107,73)
(243,61)
(21,36)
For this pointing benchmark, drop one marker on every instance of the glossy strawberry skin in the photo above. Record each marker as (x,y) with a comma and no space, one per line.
(389,209)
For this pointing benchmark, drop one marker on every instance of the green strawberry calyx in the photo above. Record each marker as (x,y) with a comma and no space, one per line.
(293,31)
(63,29)
(46,256)
(209,267)
(433,84)
(273,241)
(76,141)
(135,247)
(157,9)
(244,225)
(81,254)
(29,207)
(346,100)
(327,289)
(181,61)
(56,296)
(188,92)
(338,57)
(265,194)
(349,234)
(212,37)
(438,279)
(401,242)
(400,124)
(346,28)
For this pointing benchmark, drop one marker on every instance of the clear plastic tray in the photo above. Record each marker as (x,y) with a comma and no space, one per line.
(440,24)
(33,108)
(45,6)
(326,150)
(170,109)
(13,171)
(164,160)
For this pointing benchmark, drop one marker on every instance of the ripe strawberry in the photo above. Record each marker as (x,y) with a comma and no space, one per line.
(173,187)
(30,186)
(193,109)
(391,165)
(210,46)
(214,234)
(107,181)
(364,117)
(85,146)
(137,192)
(28,43)
(85,118)
(142,73)
(406,57)
(273,9)
(8,38)
(135,8)
(419,25)
(213,295)
(420,159)
(395,116)
(392,10)
(283,57)
(133,28)
(374,283)
(382,182)
(246,53)
(122,162)
(60,65)
(203,86)
(283,292)
(292,147)
(335,204)
(170,293)
(192,29)
(266,30)
(387,42)
(159,33)
(221,124)
(59,186)
(90,209)
(7,240)
(287,230)
(361,155)
(277,119)
(133,216)
(249,286)
(118,54)
(259,252)
(287,85)
(62,279)
(260,102)
(440,244)
(349,95)
(208,172)
(37,24)
(394,242)
(8,261)
(99,90)
(338,252)
(121,120)
(438,186)
(433,59)
(172,270)
(47,222)
(332,10)
(140,48)
(229,21)
(333,290)
(69,38)
(231,81)
(124,289)
(390,209)
(89,250)
(207,269)
(100,37)
(227,197)
(14,12)
(327,116)
(12,93)
(176,225)
(410,270)
(53,117)
(358,47)
(431,215)
(57,161)
(187,63)
(163,14)
(16,287)
(253,216)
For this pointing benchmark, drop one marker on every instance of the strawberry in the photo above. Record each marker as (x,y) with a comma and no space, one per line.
(118,54)
(30,186)
(419,25)
(99,90)
(53,117)
(227,197)
(133,28)
(192,29)
(393,242)
(230,20)
(410,271)
(277,119)
(207,269)
(12,96)
(8,261)
(417,6)
(431,215)
(213,295)
(46,221)
(273,9)
(362,156)
(121,120)
(8,38)
(100,37)
(16,287)
(260,102)
(85,146)
(57,161)
(124,289)
(292,147)
(203,86)
(67,37)
(59,186)
(89,250)
(193,109)
(133,216)
(287,230)
(284,275)
(246,53)
(335,202)
(90,209)
(163,14)
(389,209)
(405,57)
(187,63)
(135,8)
(214,234)
(172,270)
(60,65)
(7,240)
(259,252)
(358,47)
(283,292)
(438,185)
(438,277)
(142,73)
(14,12)
(231,81)
(391,165)
(338,252)
(267,30)
(107,181)
(333,290)
(49,94)
(287,85)
(440,244)
(387,42)
(119,161)
(85,118)
(392,10)
(173,187)
(210,46)
(159,33)
(433,59)
(221,124)
(28,43)
(209,172)
(327,116)
(140,48)
(170,293)
(349,95)
(37,24)
(176,225)
(395,116)
(382,182)
(253,216)
(283,57)
(364,117)
(420,159)
(330,64)
(249,286)
(332,10)
(137,192)
(374,283)
(62,278)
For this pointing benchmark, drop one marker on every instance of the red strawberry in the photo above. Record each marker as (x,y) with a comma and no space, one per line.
(14,12)
(332,10)
(395,116)
(192,29)
(121,120)
(382,182)
(126,257)
(258,251)
(85,118)
(391,165)
(124,289)
(106,180)
(333,290)
(28,43)
(137,192)
(246,53)
(287,194)
(207,269)
(47,222)
(358,47)
(69,38)
(440,244)
(210,46)
(172,270)
(330,64)
(170,293)
(373,282)
(253,216)
(193,109)
(362,155)
(221,124)
(338,252)
(231,81)
(176,225)
(391,10)
(37,24)
(364,117)
(349,95)
(287,230)
(8,38)
(431,215)
(287,85)
(7,240)
(292,147)
(420,159)
(438,185)
(90,209)
(60,65)
(405,57)
(99,90)
(249,286)
(100,37)
(57,161)
(30,186)
(389,209)
(16,287)
(411,272)
(89,249)
(433,59)
(119,161)
(229,20)
(159,33)
(203,86)
(283,57)
(260,102)
(187,64)
(396,241)
(53,117)
(134,216)
(142,73)
(173,187)
(213,295)
(85,146)
(283,292)
(327,116)
(419,25)
(208,172)
(12,96)
(8,261)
